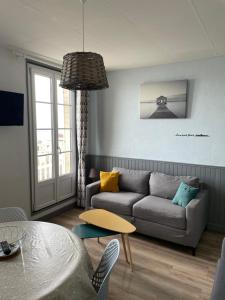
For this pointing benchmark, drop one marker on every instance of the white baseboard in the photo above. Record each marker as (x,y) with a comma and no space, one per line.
(51,210)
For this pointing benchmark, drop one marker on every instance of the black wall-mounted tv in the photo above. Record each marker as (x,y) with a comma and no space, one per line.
(11,109)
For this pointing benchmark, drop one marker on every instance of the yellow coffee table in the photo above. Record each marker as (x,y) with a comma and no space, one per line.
(107,220)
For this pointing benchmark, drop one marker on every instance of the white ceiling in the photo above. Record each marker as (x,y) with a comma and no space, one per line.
(128,33)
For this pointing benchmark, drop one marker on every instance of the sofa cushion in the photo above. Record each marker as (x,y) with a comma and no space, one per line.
(161,211)
(109,182)
(166,186)
(184,194)
(218,290)
(120,203)
(133,180)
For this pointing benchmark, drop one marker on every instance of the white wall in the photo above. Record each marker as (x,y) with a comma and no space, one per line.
(14,143)
(116,130)
(14,151)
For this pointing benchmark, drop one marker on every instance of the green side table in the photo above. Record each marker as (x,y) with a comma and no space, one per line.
(88,231)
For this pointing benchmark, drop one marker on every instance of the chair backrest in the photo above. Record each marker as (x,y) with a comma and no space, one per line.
(10,214)
(101,276)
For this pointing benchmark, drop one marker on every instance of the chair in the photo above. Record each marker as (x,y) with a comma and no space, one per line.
(10,214)
(101,276)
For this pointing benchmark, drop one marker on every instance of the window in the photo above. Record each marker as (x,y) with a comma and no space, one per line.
(52,137)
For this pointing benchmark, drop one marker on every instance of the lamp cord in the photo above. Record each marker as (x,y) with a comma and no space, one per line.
(83,2)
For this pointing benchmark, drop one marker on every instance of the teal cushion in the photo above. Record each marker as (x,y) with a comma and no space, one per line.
(184,194)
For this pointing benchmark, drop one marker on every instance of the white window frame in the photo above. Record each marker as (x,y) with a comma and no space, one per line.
(56,180)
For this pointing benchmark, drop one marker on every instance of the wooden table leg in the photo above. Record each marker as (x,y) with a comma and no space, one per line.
(129,252)
(124,247)
(98,240)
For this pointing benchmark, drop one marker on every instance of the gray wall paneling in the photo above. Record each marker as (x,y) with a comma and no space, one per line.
(213,177)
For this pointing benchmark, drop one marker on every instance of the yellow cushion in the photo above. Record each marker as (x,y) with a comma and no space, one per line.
(109,182)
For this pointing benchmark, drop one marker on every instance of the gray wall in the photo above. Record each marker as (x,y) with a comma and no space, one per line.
(116,130)
(213,177)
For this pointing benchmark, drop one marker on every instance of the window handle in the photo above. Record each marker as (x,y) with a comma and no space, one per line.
(59,150)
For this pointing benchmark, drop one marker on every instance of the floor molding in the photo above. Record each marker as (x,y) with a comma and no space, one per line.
(216,227)
(54,211)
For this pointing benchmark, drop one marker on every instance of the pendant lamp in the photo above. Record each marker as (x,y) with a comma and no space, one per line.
(83,70)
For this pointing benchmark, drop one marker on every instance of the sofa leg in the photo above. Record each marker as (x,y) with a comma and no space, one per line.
(193,251)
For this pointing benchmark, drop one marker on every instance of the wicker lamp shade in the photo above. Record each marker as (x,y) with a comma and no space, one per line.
(83,71)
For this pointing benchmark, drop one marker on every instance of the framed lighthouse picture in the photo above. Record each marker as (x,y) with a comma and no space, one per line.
(163,100)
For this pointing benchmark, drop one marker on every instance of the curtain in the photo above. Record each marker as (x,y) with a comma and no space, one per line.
(81,127)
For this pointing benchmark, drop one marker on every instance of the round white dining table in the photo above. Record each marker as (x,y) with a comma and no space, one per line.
(52,264)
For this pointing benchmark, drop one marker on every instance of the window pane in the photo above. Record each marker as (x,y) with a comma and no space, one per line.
(63,95)
(42,88)
(64,163)
(44,142)
(44,167)
(64,116)
(43,115)
(64,140)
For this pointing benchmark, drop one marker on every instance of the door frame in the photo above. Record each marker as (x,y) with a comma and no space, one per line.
(31,66)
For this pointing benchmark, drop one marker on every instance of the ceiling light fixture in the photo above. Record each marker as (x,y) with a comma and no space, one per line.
(83,70)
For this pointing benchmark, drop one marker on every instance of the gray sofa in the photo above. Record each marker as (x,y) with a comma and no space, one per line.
(218,291)
(145,200)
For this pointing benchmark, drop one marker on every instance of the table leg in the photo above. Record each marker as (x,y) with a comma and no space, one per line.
(129,252)
(124,247)
(98,240)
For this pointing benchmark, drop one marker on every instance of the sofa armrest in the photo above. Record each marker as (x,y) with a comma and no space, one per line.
(197,214)
(223,249)
(91,189)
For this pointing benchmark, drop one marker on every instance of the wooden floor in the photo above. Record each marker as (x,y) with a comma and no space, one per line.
(162,270)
